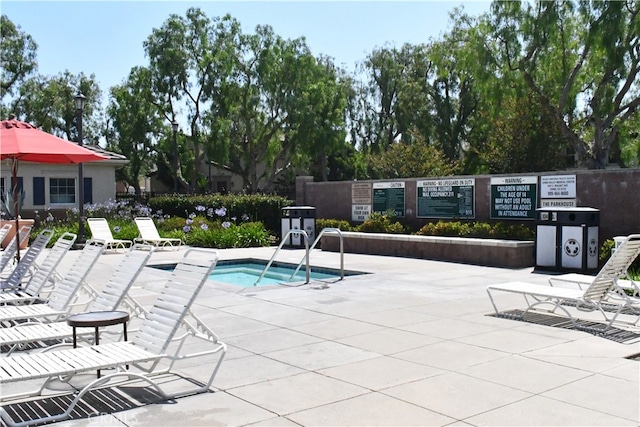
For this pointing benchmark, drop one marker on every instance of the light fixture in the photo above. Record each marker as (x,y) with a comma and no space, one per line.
(79,99)
(174,126)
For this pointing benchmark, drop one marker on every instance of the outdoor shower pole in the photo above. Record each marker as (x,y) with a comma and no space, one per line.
(79,100)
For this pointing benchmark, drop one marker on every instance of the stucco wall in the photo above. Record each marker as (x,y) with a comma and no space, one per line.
(102,175)
(616,193)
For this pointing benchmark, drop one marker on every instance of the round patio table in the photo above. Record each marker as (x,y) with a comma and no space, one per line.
(97,319)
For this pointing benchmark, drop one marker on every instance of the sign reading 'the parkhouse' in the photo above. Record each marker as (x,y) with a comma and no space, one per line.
(446,198)
(514,197)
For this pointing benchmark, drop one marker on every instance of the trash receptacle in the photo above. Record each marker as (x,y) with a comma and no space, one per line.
(567,238)
(298,218)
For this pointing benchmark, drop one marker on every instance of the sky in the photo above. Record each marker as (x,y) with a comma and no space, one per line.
(105,38)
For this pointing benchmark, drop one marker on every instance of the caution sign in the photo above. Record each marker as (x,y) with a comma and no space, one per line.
(514,197)
(446,198)
(389,196)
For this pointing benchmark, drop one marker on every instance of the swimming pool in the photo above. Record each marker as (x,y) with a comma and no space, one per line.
(246,272)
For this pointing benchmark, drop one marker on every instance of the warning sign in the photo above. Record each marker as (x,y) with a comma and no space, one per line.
(446,198)
(514,197)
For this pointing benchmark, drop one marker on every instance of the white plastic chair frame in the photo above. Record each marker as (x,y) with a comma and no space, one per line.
(149,234)
(10,251)
(622,259)
(62,300)
(602,294)
(114,293)
(28,261)
(101,231)
(149,346)
(44,277)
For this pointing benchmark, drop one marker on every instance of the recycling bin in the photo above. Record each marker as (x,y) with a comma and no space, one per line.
(298,218)
(567,239)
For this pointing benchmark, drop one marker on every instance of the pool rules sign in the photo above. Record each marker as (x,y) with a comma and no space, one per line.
(360,201)
(514,197)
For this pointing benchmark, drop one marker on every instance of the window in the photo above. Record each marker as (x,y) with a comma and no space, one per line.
(62,190)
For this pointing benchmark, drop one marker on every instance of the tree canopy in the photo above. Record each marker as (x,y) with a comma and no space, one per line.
(527,86)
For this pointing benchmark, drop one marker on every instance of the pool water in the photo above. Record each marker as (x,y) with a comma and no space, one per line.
(246,272)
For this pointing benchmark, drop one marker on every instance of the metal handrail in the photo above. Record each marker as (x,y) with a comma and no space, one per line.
(284,239)
(324,231)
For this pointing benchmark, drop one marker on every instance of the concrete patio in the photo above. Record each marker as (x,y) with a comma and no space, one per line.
(412,343)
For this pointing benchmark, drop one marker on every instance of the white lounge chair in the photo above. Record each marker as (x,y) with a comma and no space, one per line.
(28,261)
(10,251)
(100,230)
(149,234)
(161,337)
(623,257)
(43,276)
(114,294)
(601,295)
(66,292)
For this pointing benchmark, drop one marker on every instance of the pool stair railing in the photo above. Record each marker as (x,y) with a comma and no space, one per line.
(306,256)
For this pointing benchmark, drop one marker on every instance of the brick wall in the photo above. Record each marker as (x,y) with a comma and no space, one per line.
(616,193)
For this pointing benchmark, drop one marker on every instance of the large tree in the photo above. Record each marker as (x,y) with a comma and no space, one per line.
(278,104)
(18,53)
(452,96)
(581,60)
(393,103)
(523,138)
(134,125)
(48,102)
(189,58)
(315,121)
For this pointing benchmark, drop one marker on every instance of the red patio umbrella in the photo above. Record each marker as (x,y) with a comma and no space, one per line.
(24,141)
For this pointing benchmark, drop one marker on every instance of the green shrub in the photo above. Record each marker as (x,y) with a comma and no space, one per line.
(481,229)
(442,228)
(477,229)
(340,224)
(605,250)
(382,223)
(249,234)
(169,224)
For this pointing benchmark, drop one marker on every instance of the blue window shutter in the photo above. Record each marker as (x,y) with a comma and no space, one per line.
(88,190)
(38,190)
(19,183)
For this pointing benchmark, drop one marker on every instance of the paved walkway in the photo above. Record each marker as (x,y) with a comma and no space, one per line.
(412,343)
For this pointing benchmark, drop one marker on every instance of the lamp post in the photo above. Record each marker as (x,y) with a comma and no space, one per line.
(79,100)
(174,126)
